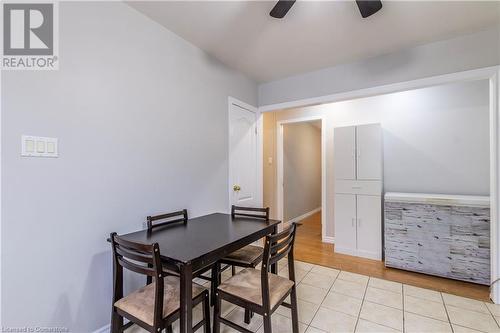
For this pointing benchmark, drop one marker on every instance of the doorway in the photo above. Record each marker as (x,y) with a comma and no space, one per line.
(294,162)
(301,174)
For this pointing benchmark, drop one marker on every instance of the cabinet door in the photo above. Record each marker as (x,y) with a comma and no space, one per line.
(345,223)
(369,152)
(344,152)
(369,231)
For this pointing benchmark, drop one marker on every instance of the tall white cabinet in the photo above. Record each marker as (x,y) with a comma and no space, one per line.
(358,164)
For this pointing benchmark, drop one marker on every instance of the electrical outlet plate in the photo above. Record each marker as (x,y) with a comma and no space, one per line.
(38,146)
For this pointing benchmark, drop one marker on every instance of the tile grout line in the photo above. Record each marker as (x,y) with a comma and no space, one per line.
(319,306)
(491,313)
(451,324)
(424,315)
(363,299)
(446,310)
(329,290)
(362,303)
(403,300)
(392,328)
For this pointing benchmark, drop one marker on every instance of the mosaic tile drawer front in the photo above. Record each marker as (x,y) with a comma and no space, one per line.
(448,241)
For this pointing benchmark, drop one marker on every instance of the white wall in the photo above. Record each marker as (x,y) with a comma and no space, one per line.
(141,117)
(472,51)
(436,140)
(301,169)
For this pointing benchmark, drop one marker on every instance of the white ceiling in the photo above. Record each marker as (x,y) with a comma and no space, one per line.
(314,34)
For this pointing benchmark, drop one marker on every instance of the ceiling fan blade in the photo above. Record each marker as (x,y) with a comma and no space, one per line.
(368,7)
(281,8)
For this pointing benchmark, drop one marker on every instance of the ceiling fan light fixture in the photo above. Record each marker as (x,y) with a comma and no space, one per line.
(281,8)
(368,7)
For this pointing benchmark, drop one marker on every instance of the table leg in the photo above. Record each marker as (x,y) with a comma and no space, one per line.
(186,299)
(274,267)
(215,282)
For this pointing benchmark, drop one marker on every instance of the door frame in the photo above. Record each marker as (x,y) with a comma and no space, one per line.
(492,74)
(279,170)
(259,147)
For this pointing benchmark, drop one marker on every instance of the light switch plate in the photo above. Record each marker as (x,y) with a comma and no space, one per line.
(38,146)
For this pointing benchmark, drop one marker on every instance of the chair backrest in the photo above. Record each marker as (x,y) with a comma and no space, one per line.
(142,259)
(277,247)
(260,213)
(168,218)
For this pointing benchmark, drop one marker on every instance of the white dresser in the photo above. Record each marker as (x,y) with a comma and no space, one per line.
(358,165)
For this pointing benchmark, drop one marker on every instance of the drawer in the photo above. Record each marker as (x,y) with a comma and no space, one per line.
(366,187)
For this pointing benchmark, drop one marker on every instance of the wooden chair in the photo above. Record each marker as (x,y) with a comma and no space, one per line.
(164,220)
(262,292)
(250,255)
(173,218)
(156,305)
(167,219)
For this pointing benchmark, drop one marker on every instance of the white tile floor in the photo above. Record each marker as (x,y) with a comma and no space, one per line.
(333,301)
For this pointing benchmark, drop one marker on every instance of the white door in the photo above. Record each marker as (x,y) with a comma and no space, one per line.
(243,169)
(344,152)
(345,223)
(369,150)
(369,211)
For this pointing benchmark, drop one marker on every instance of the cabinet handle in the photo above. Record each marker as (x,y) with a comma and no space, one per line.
(356,187)
(352,221)
(359,222)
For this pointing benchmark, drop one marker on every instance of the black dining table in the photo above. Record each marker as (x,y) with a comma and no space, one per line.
(198,244)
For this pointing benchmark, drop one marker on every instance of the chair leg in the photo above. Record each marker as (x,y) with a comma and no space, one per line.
(116,322)
(248,316)
(206,313)
(267,324)
(169,329)
(233,270)
(295,315)
(217,309)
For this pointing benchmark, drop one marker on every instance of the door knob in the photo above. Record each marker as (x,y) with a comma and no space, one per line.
(236,188)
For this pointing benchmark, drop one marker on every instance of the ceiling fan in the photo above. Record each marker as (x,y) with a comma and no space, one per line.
(366,7)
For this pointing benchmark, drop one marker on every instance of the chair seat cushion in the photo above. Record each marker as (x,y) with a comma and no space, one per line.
(245,256)
(140,303)
(247,286)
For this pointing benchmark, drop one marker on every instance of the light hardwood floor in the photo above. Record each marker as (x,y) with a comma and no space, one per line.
(309,248)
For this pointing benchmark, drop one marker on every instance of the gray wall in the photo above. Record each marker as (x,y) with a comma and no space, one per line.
(301,169)
(436,140)
(141,116)
(477,50)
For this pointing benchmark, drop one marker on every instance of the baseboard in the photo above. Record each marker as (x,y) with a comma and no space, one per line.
(370,255)
(303,216)
(328,239)
(358,253)
(343,250)
(104,329)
